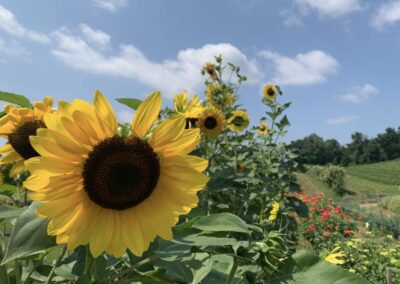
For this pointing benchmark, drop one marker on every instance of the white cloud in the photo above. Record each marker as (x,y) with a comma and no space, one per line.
(388,14)
(13,48)
(10,25)
(331,8)
(290,19)
(342,119)
(358,94)
(305,69)
(170,76)
(98,37)
(110,5)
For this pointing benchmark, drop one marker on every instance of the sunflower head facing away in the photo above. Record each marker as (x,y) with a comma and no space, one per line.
(263,128)
(211,70)
(239,120)
(211,121)
(214,91)
(270,92)
(111,192)
(191,109)
(17,125)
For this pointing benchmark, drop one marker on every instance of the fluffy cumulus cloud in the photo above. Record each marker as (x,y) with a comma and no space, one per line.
(110,5)
(358,94)
(170,76)
(344,119)
(388,14)
(10,25)
(308,68)
(331,8)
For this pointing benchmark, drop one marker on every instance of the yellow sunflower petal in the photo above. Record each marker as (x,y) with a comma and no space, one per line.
(17,168)
(146,114)
(105,113)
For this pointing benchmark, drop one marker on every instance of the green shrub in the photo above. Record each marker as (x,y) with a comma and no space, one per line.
(332,176)
(391,203)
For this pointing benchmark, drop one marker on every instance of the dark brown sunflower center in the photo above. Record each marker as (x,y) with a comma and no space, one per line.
(271,92)
(121,172)
(19,140)
(210,122)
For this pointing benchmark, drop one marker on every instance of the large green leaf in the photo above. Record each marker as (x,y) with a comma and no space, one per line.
(29,236)
(222,222)
(15,99)
(7,211)
(305,268)
(132,103)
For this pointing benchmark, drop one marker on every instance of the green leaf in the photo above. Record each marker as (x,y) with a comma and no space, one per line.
(7,211)
(304,268)
(299,206)
(15,99)
(29,236)
(8,189)
(132,103)
(222,222)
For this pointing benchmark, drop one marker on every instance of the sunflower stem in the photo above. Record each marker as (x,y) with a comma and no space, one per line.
(89,264)
(17,273)
(56,263)
(130,269)
(232,273)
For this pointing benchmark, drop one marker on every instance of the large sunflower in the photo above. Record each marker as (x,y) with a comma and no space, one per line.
(191,109)
(239,120)
(114,193)
(270,91)
(211,121)
(17,125)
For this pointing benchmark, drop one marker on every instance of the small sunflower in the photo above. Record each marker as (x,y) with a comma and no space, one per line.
(210,69)
(263,128)
(270,91)
(211,121)
(274,212)
(239,120)
(111,192)
(191,109)
(17,125)
(214,90)
(335,256)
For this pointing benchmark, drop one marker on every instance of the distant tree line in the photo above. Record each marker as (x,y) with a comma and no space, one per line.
(314,150)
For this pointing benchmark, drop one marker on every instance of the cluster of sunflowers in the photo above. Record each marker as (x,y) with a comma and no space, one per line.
(218,111)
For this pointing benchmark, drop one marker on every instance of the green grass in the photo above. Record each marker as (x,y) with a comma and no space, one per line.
(368,184)
(384,173)
(367,188)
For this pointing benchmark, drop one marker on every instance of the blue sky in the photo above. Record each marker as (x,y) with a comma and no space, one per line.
(336,60)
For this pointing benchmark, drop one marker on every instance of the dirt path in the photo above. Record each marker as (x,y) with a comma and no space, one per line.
(306,185)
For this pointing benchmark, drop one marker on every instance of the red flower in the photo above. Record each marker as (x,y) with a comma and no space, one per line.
(327,233)
(313,227)
(359,218)
(348,232)
(308,230)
